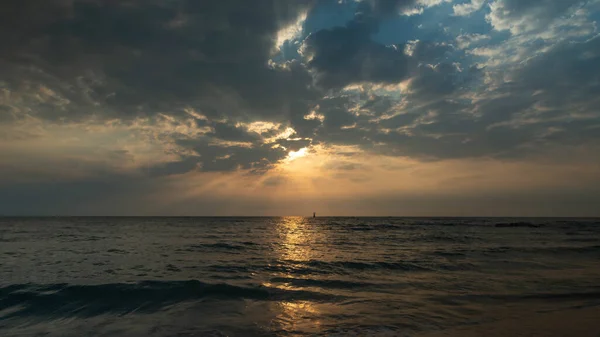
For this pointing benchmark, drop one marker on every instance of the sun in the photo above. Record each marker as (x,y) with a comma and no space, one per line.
(293,155)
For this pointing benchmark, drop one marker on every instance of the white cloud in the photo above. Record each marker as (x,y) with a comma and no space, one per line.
(528,40)
(519,17)
(291,32)
(468,8)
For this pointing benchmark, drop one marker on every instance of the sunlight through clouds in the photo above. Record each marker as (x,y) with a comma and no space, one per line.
(291,32)
(293,155)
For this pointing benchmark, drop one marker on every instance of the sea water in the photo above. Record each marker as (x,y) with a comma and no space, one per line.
(288,276)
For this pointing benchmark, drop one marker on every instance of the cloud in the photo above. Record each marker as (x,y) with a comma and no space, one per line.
(72,61)
(127,59)
(524,16)
(440,80)
(449,112)
(175,59)
(467,8)
(383,8)
(105,91)
(467,40)
(345,55)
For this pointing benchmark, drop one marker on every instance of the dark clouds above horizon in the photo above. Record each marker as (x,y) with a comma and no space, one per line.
(134,90)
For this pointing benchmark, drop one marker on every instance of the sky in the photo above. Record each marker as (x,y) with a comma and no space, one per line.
(281,107)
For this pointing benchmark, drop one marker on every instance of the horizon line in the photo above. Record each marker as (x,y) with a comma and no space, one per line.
(303,216)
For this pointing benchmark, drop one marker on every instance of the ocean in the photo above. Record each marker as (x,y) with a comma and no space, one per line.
(293,276)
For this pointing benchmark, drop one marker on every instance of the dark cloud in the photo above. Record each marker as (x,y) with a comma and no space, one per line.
(440,80)
(304,127)
(551,100)
(384,8)
(67,60)
(568,73)
(134,58)
(294,144)
(234,133)
(430,52)
(211,157)
(337,112)
(142,57)
(257,159)
(556,89)
(400,120)
(173,168)
(377,105)
(346,55)
(435,80)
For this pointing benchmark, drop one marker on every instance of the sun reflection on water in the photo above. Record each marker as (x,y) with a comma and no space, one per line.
(296,237)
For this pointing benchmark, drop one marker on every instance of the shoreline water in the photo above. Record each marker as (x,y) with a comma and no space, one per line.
(580,322)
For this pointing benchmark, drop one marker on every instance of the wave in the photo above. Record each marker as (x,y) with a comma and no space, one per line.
(555,250)
(449,253)
(406,224)
(585,239)
(518,224)
(367,331)
(329,284)
(220,246)
(20,300)
(318,267)
(342,267)
(574,296)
